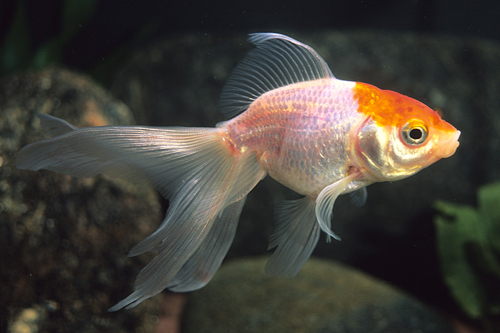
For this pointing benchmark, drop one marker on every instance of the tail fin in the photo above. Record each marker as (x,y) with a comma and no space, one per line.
(205,182)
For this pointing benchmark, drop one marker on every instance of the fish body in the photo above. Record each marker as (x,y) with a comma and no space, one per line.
(300,133)
(310,134)
(293,120)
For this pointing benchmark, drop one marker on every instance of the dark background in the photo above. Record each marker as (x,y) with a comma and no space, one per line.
(114,23)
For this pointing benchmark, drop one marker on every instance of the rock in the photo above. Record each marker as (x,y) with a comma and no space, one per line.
(29,320)
(177,82)
(63,240)
(323,297)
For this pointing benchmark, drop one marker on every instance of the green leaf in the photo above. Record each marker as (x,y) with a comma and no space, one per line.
(456,227)
(489,206)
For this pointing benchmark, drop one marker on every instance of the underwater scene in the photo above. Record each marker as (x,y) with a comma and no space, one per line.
(249,166)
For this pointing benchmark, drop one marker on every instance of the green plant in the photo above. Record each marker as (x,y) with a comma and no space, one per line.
(468,241)
(16,52)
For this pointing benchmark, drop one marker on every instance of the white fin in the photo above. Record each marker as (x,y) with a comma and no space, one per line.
(190,166)
(326,200)
(202,183)
(203,264)
(296,236)
(358,197)
(55,126)
(277,61)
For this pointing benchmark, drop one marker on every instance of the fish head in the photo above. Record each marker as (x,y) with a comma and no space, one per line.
(400,136)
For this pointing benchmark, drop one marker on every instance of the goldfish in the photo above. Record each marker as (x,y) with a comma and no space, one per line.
(288,117)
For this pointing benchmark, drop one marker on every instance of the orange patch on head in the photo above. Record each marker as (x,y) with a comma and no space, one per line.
(387,107)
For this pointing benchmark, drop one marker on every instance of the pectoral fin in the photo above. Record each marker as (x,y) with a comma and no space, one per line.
(358,197)
(326,200)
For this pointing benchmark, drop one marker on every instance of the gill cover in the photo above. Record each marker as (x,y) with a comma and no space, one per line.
(394,152)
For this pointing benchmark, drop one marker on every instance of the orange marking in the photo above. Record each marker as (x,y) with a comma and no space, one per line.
(387,107)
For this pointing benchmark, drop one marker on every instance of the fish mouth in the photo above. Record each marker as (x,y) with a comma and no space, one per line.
(447,147)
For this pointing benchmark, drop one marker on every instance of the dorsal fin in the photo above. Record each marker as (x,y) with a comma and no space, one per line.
(277,61)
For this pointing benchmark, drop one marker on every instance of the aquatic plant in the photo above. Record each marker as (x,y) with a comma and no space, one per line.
(17,53)
(468,241)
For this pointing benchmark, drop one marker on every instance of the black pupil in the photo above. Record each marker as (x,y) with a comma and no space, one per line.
(416,134)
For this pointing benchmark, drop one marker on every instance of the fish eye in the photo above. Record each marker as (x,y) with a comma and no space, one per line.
(414,134)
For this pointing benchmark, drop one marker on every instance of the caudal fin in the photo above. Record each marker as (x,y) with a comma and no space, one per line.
(205,182)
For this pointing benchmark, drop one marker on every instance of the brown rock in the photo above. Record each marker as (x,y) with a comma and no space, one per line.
(63,240)
(324,297)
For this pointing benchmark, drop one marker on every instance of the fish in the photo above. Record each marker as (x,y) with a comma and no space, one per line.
(287,116)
